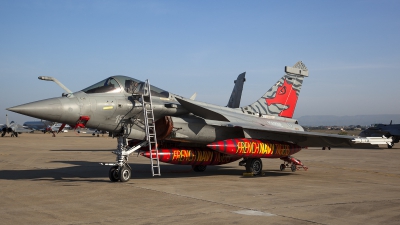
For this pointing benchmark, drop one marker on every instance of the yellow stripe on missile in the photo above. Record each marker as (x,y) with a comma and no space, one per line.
(108,107)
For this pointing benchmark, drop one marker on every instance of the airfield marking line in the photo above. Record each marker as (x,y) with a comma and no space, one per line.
(225,204)
(340,203)
(367,171)
(360,170)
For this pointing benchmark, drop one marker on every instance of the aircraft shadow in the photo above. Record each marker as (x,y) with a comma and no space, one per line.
(78,136)
(94,172)
(80,150)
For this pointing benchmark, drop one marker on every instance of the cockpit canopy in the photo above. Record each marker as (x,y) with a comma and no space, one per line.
(118,84)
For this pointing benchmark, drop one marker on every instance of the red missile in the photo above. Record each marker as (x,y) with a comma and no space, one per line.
(192,156)
(254,148)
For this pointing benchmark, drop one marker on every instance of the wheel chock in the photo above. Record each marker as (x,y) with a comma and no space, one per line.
(248,174)
(252,175)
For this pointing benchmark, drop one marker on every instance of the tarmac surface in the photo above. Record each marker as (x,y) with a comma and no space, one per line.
(46,180)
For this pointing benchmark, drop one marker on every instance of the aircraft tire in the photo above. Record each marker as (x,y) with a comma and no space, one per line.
(390,146)
(124,174)
(282,167)
(293,168)
(199,168)
(16,134)
(254,166)
(113,174)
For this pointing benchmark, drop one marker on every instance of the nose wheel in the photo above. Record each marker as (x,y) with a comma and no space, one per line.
(120,173)
(125,174)
(113,174)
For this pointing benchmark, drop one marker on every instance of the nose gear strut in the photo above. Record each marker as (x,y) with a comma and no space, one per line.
(121,171)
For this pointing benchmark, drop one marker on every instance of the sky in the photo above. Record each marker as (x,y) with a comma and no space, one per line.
(351,49)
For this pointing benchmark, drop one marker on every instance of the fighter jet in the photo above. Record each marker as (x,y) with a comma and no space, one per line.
(387,130)
(56,128)
(173,129)
(13,128)
(47,126)
(38,125)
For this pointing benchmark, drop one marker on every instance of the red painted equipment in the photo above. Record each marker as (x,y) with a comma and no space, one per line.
(81,122)
(296,164)
(61,128)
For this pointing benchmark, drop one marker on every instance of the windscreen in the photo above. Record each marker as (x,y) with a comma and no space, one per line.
(117,83)
(109,85)
(133,86)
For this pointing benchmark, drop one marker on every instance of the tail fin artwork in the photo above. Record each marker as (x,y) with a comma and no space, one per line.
(281,99)
(234,100)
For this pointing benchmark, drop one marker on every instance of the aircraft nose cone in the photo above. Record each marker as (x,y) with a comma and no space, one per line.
(49,109)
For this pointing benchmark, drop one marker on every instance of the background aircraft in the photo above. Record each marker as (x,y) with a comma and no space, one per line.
(236,96)
(38,125)
(178,130)
(47,126)
(57,128)
(387,130)
(13,128)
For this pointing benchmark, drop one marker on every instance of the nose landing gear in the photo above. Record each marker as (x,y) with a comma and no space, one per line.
(121,171)
(117,173)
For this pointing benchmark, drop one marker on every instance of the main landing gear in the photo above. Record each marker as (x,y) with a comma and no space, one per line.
(292,163)
(253,165)
(199,168)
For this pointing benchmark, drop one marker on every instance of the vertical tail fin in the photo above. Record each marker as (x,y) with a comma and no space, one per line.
(234,100)
(281,99)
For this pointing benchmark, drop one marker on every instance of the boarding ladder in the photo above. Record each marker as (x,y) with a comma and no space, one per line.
(150,127)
